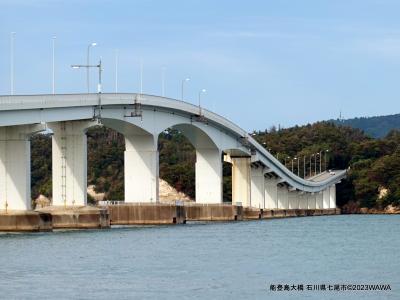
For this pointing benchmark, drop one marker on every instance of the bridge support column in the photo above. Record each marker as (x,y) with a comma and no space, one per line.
(208,176)
(303,201)
(319,200)
(271,193)
(332,196)
(257,188)
(326,197)
(283,200)
(69,159)
(241,186)
(15,167)
(141,168)
(311,200)
(294,199)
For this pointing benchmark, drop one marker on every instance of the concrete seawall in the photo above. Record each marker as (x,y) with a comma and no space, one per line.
(87,217)
(17,221)
(146,214)
(136,214)
(81,217)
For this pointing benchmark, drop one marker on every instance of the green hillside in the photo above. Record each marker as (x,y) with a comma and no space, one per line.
(376,127)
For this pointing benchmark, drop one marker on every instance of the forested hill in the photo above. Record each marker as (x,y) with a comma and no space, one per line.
(376,127)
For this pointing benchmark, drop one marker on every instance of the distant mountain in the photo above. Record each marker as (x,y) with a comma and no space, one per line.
(376,127)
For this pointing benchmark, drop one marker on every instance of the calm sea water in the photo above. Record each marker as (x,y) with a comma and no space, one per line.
(206,260)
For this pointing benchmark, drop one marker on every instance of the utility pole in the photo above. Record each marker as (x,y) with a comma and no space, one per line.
(12,39)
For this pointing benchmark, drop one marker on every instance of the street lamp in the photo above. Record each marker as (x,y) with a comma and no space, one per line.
(183,84)
(298,165)
(315,164)
(87,63)
(320,162)
(99,84)
(326,151)
(312,155)
(201,92)
(163,69)
(304,166)
(285,160)
(53,65)
(92,66)
(116,69)
(12,39)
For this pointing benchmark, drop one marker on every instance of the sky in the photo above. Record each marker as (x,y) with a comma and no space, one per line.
(263,63)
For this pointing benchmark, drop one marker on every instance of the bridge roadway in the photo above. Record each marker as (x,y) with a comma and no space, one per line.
(258,178)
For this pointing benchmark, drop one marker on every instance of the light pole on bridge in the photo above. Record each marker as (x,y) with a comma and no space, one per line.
(87,64)
(326,151)
(54,64)
(12,40)
(183,85)
(92,66)
(201,92)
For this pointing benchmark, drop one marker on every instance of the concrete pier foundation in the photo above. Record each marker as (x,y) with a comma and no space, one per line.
(141,169)
(81,217)
(283,200)
(25,221)
(208,175)
(15,166)
(69,153)
(241,182)
(271,193)
(146,214)
(213,212)
(257,188)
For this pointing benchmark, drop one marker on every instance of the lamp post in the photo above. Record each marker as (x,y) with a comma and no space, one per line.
(311,164)
(315,164)
(298,165)
(285,160)
(92,66)
(183,84)
(53,65)
(87,63)
(320,162)
(304,166)
(163,81)
(326,151)
(12,39)
(292,165)
(116,69)
(99,84)
(201,92)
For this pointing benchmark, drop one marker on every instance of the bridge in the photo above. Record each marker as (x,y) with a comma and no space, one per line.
(258,179)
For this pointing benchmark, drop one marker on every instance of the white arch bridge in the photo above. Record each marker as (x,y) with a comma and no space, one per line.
(258,179)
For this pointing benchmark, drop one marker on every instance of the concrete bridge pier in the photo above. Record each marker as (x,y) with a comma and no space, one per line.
(332,196)
(283,200)
(257,188)
(319,201)
(141,168)
(15,166)
(303,200)
(271,193)
(69,158)
(311,200)
(294,199)
(208,175)
(241,180)
(326,198)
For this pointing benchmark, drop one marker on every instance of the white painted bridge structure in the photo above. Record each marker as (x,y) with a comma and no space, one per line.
(258,179)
